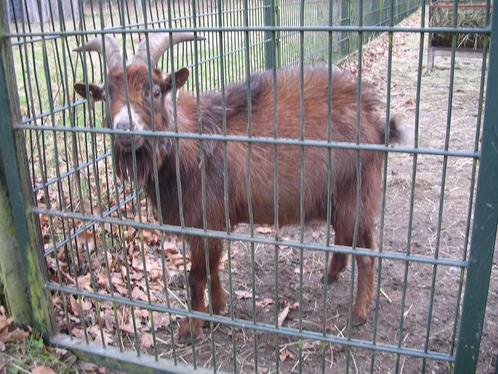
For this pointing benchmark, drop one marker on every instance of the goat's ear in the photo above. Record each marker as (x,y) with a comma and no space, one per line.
(181,77)
(97,92)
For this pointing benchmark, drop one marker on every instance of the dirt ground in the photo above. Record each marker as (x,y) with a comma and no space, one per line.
(449,243)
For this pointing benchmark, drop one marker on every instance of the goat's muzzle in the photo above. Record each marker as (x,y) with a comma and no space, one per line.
(127,143)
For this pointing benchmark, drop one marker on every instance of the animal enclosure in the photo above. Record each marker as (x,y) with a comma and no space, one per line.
(103,274)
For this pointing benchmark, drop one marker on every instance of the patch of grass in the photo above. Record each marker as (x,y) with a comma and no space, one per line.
(23,356)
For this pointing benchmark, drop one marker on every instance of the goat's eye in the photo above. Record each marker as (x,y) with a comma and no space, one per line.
(157,92)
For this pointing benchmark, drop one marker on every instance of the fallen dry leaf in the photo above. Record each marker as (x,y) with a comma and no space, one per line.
(87,367)
(146,341)
(77,332)
(107,338)
(87,305)
(160,320)
(73,305)
(85,282)
(129,234)
(150,237)
(138,294)
(94,330)
(154,274)
(264,229)
(243,294)
(141,314)
(285,354)
(42,370)
(283,315)
(5,322)
(127,328)
(264,303)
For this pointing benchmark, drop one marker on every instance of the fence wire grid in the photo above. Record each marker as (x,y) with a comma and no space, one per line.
(115,275)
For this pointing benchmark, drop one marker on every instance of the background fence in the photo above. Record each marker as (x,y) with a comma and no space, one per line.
(101,272)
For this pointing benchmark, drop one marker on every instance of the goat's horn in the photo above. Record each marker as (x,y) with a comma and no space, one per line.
(112,51)
(159,43)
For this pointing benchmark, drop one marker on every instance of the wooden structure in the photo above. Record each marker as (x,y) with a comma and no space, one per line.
(434,49)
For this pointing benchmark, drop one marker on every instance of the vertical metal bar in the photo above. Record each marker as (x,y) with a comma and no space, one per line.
(413,177)
(159,210)
(276,223)
(179,182)
(358,177)
(226,181)
(108,119)
(484,228)
(301,179)
(269,40)
(443,184)
(384,190)
(60,189)
(205,241)
(345,21)
(330,180)
(155,178)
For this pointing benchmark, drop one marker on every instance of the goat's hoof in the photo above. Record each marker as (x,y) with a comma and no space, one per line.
(184,339)
(184,335)
(329,279)
(220,304)
(359,319)
(221,310)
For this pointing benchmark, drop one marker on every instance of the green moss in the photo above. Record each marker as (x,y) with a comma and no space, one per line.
(13,283)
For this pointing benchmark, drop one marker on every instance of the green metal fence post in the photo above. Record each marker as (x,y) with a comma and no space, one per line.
(484,227)
(19,227)
(12,269)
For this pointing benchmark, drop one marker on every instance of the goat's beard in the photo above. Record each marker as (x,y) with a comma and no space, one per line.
(141,170)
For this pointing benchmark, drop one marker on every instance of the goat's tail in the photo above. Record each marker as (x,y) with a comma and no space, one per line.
(397,133)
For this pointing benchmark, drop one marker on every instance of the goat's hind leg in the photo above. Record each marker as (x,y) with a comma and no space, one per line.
(218,296)
(364,292)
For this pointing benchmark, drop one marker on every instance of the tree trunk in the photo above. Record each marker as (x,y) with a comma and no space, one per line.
(29,11)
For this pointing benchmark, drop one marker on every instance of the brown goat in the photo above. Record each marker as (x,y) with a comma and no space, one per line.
(210,114)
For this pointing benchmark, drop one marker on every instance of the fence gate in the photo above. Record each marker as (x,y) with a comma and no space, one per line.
(88,261)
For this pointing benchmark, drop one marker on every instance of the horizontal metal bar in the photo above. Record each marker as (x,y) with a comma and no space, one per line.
(38,186)
(127,361)
(27,40)
(256,326)
(231,52)
(55,110)
(177,230)
(319,28)
(87,226)
(478,5)
(258,139)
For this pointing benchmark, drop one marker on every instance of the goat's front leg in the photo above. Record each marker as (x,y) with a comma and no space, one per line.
(198,280)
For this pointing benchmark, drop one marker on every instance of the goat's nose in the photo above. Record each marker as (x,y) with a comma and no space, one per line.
(122,125)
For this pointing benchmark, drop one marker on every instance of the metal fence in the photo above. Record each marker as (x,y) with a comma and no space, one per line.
(97,273)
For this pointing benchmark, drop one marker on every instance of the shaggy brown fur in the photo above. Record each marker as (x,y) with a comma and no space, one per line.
(210,117)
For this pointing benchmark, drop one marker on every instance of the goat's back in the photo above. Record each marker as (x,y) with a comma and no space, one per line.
(290,158)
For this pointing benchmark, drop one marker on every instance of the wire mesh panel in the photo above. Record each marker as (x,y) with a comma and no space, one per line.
(268,161)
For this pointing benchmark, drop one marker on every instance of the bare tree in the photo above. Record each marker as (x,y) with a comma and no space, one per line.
(42,10)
